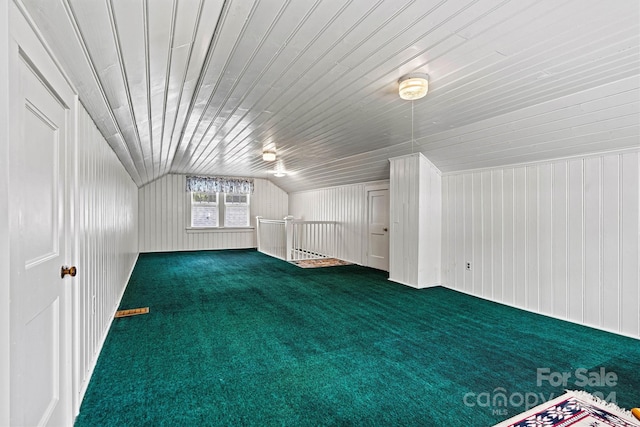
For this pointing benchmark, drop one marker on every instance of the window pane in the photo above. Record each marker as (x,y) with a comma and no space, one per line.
(204,197)
(236,216)
(236,199)
(204,216)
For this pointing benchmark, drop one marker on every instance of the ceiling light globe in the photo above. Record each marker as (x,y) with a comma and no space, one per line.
(268,156)
(413,86)
(279,174)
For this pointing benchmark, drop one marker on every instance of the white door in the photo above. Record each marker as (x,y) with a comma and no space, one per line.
(378,229)
(40,330)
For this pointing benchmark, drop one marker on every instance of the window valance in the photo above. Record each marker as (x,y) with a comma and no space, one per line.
(217,184)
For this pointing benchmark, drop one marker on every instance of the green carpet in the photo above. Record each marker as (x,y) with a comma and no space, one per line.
(238,338)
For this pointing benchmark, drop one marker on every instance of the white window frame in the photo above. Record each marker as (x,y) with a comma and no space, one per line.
(220,205)
(204,205)
(246,204)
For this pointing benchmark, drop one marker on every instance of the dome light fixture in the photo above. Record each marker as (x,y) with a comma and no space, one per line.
(279,170)
(413,86)
(268,155)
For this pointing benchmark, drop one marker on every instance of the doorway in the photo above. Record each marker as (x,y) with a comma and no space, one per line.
(42,129)
(377,246)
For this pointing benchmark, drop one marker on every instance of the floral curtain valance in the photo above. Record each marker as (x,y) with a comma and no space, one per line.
(217,184)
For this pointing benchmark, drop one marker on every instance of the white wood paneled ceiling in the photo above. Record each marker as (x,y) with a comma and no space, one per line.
(203,86)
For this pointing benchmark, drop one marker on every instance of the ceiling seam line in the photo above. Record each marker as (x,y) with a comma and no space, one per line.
(125,81)
(147,69)
(214,40)
(79,37)
(184,79)
(166,80)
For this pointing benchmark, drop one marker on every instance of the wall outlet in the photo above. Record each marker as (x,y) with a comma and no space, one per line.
(469,266)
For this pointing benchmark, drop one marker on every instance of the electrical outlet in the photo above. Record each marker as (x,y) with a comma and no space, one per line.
(469,266)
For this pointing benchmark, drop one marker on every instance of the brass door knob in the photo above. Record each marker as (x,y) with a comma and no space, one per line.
(71,271)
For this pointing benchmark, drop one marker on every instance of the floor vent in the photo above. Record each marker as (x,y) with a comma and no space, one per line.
(132,312)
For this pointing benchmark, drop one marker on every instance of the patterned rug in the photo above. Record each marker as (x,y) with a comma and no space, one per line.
(573,409)
(323,262)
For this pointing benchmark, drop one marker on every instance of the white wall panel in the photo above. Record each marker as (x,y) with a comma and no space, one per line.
(629,186)
(545,235)
(592,240)
(467,207)
(164,217)
(5,338)
(487,250)
(446,222)
(458,217)
(520,236)
(415,251)
(476,235)
(508,245)
(344,204)
(497,236)
(611,239)
(107,242)
(575,194)
(433,210)
(559,238)
(531,264)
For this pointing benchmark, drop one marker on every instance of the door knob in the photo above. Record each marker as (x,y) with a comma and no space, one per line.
(71,271)
(385,229)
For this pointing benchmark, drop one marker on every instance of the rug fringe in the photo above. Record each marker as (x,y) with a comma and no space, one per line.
(608,405)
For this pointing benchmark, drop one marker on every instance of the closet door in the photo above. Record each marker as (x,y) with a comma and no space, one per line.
(39,245)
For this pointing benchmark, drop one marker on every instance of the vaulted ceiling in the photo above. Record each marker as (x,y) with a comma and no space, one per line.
(203,86)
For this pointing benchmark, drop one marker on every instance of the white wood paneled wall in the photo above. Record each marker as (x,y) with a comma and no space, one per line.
(5,295)
(416,223)
(163,217)
(107,242)
(558,238)
(344,204)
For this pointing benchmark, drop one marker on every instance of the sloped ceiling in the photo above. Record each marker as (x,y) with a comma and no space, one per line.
(203,86)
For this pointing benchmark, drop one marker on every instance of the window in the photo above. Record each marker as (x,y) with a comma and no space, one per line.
(236,210)
(211,210)
(204,209)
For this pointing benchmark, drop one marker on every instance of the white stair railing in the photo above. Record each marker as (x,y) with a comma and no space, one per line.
(294,240)
(272,237)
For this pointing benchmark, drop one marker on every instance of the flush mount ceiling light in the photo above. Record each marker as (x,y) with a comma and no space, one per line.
(413,86)
(268,155)
(280,170)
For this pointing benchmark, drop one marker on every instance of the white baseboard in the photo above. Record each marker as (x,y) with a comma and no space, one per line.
(83,387)
(414,286)
(545,314)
